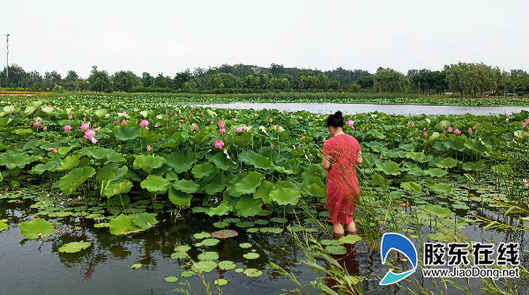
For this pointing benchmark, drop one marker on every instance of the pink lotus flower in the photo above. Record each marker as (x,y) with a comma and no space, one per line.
(70,117)
(450,129)
(45,128)
(508,116)
(195,127)
(444,131)
(94,140)
(222,131)
(350,123)
(180,126)
(524,124)
(53,150)
(235,119)
(469,130)
(37,124)
(219,144)
(221,124)
(412,124)
(277,127)
(123,122)
(144,123)
(89,134)
(302,137)
(272,146)
(425,134)
(457,132)
(270,120)
(84,126)
(67,128)
(149,148)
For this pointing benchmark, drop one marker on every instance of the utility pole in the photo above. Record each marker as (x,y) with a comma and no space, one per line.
(7,60)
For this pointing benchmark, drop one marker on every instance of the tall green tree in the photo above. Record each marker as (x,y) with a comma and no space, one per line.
(389,80)
(125,81)
(99,81)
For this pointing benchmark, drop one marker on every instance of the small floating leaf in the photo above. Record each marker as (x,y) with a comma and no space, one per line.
(251,255)
(221,282)
(136,266)
(182,248)
(187,274)
(205,266)
(208,243)
(349,239)
(171,279)
(227,265)
(239,270)
(202,235)
(336,250)
(208,256)
(252,272)
(75,247)
(245,245)
(221,224)
(224,234)
(3,226)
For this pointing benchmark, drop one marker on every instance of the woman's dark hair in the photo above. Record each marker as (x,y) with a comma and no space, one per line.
(335,120)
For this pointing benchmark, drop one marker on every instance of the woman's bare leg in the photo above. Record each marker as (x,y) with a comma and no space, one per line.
(351,227)
(338,229)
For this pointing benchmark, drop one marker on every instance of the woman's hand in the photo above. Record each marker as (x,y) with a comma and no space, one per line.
(325,163)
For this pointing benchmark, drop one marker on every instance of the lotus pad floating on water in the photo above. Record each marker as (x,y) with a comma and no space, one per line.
(75,247)
(37,228)
(208,243)
(202,235)
(225,234)
(227,265)
(208,256)
(349,239)
(204,266)
(245,245)
(221,282)
(251,255)
(3,226)
(336,250)
(252,272)
(171,279)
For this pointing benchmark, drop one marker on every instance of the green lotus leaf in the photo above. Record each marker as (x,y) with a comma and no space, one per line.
(221,224)
(144,220)
(208,243)
(278,219)
(148,162)
(441,188)
(13,159)
(69,163)
(221,282)
(350,239)
(99,153)
(336,250)
(37,228)
(123,225)
(208,256)
(388,167)
(251,255)
(136,266)
(3,226)
(252,272)
(202,235)
(180,161)
(171,279)
(187,274)
(248,206)
(285,195)
(111,172)
(222,209)
(155,184)
(204,266)
(23,132)
(225,234)
(71,181)
(75,247)
(245,245)
(221,161)
(411,186)
(124,133)
(257,160)
(416,156)
(202,170)
(474,166)
(244,224)
(329,242)
(100,113)
(186,186)
(117,188)
(182,248)
(179,255)
(435,172)
(180,199)
(438,210)
(215,185)
(51,165)
(447,163)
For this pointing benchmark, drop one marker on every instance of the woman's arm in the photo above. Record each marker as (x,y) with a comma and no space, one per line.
(325,163)
(359,158)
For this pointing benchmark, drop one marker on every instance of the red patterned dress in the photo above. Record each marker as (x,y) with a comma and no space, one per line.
(342,183)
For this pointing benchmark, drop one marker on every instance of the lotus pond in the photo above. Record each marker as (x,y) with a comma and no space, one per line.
(112,196)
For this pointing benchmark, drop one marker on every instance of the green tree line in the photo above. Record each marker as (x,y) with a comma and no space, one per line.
(469,79)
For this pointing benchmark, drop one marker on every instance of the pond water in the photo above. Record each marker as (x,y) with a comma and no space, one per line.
(328,108)
(35,267)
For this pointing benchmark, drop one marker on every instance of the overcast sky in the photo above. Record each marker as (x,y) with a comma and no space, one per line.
(170,36)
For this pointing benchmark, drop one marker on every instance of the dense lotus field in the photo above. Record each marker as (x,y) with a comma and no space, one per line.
(127,164)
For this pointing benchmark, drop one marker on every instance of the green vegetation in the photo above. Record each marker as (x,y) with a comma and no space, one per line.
(129,165)
(461,79)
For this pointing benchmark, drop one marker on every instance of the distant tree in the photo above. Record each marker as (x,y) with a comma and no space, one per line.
(125,81)
(17,76)
(162,81)
(472,78)
(180,79)
(389,80)
(367,82)
(34,81)
(71,81)
(99,81)
(51,79)
(276,69)
(146,79)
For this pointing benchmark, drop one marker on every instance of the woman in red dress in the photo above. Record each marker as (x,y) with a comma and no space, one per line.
(341,154)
